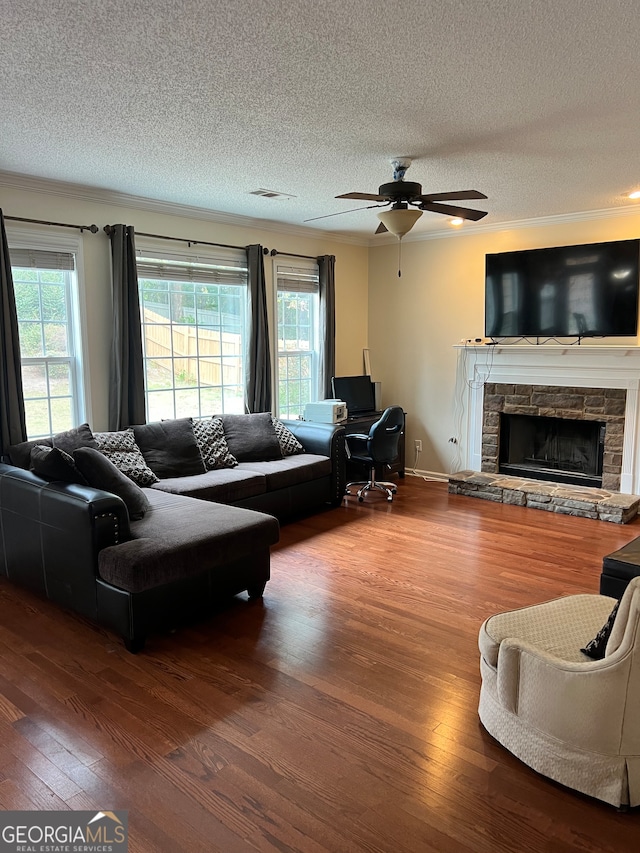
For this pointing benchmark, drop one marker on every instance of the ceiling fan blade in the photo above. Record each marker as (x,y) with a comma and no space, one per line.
(364,196)
(340,212)
(381,228)
(462,194)
(452,210)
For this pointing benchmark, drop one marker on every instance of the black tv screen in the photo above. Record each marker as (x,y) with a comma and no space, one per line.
(356,391)
(566,291)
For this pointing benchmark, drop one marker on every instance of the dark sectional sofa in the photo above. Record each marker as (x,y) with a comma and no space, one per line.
(203,537)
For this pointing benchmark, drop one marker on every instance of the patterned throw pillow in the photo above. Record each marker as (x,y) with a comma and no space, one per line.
(289,444)
(122,450)
(596,648)
(213,444)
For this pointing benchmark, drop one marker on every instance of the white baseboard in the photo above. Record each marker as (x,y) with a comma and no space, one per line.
(427,475)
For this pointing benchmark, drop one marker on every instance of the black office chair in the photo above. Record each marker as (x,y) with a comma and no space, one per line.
(380,447)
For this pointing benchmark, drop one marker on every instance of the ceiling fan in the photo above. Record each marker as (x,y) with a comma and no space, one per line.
(400,194)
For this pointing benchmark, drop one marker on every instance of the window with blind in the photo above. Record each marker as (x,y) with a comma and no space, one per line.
(298,338)
(194,325)
(45,284)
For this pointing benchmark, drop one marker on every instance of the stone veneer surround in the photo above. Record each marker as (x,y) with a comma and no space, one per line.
(600,404)
(556,366)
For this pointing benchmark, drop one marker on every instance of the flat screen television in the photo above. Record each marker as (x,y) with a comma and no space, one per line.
(356,391)
(567,291)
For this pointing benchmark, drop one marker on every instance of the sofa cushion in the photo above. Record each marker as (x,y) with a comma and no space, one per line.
(52,463)
(69,440)
(213,445)
(72,439)
(170,448)
(289,444)
(181,537)
(251,437)
(227,485)
(20,454)
(281,473)
(101,473)
(121,448)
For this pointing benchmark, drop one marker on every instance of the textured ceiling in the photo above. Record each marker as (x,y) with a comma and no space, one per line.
(536,104)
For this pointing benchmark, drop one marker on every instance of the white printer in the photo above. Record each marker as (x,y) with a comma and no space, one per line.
(326,411)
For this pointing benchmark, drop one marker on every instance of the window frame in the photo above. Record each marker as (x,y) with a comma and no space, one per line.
(31,239)
(308,272)
(153,252)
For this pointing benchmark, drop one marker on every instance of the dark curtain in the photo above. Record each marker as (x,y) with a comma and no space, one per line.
(258,386)
(126,391)
(327,293)
(13,426)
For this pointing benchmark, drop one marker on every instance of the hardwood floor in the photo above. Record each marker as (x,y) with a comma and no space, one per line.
(339,715)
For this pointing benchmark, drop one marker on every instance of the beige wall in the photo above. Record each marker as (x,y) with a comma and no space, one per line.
(351,271)
(416,320)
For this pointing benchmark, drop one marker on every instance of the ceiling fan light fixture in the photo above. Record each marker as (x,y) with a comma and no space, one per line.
(456,222)
(399,222)
(634,194)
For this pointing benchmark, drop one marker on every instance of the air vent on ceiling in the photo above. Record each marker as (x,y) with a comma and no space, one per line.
(270,193)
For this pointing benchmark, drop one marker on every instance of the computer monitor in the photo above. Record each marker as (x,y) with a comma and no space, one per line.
(356,391)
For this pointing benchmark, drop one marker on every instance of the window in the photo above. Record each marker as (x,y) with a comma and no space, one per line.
(46,292)
(194,321)
(298,357)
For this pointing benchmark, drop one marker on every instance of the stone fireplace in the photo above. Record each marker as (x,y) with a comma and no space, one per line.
(579,437)
(579,383)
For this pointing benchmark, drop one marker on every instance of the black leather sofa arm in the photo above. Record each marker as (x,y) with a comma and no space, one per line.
(51,534)
(324,440)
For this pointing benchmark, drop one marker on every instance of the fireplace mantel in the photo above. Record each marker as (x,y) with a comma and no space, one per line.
(556,365)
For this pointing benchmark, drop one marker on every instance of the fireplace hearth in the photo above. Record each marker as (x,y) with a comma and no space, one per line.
(561,450)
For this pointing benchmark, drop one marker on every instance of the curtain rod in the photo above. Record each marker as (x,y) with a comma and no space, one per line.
(93,228)
(275,252)
(109,228)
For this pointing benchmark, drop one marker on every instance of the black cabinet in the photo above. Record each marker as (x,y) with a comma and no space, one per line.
(357,470)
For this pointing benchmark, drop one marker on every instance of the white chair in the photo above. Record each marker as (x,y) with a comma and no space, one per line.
(573,719)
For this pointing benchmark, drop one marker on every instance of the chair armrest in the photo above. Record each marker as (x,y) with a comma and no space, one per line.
(579,703)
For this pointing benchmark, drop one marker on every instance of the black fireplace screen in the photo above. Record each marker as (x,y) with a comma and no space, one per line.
(544,448)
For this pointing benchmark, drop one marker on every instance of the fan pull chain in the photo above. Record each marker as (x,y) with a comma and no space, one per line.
(399,257)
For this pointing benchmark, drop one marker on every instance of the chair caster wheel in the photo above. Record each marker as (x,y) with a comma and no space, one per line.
(360,500)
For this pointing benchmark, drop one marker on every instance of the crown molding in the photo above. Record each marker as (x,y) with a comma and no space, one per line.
(97,195)
(494,227)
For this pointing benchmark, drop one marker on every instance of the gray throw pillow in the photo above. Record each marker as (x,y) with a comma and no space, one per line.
(170,448)
(101,473)
(121,448)
(289,444)
(251,438)
(71,439)
(54,464)
(20,454)
(213,445)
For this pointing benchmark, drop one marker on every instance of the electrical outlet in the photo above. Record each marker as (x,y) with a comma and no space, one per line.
(418,445)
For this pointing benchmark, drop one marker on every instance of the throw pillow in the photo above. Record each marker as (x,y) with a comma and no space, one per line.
(121,448)
(289,444)
(596,648)
(54,464)
(101,473)
(170,448)
(71,439)
(20,454)
(213,445)
(251,438)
